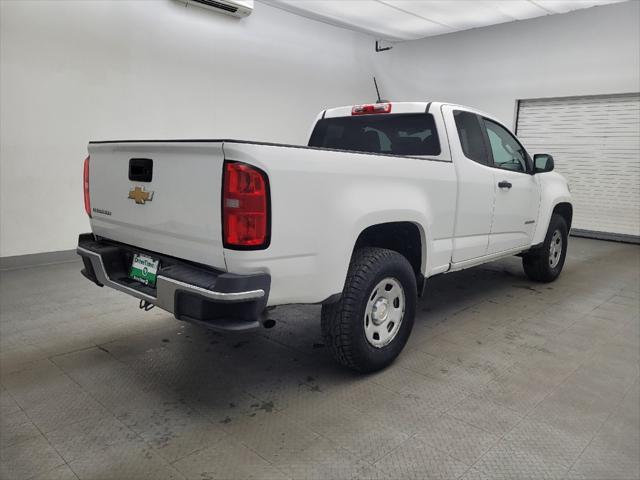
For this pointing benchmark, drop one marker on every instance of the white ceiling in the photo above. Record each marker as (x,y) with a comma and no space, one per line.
(411,19)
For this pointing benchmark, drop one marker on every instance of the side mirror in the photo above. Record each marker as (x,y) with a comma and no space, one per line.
(542,162)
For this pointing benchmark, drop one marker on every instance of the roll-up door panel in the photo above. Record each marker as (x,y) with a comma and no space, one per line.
(595,142)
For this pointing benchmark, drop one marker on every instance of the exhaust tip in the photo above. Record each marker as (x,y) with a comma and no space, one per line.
(269,323)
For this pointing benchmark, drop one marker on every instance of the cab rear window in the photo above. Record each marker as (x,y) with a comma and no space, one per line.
(395,134)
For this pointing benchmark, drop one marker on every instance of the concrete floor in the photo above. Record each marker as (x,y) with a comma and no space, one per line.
(502,379)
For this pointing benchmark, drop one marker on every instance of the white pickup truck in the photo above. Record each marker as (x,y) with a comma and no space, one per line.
(384,196)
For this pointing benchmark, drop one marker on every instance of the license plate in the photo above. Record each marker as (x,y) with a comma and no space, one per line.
(144,269)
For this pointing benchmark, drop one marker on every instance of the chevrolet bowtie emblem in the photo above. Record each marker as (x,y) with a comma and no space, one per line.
(140,196)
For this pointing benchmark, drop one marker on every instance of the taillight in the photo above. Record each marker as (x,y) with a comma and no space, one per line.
(371,108)
(85,182)
(245,207)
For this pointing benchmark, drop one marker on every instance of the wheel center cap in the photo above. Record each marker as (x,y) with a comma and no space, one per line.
(380,311)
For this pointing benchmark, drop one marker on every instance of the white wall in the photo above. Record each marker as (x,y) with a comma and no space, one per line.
(72,72)
(75,71)
(591,51)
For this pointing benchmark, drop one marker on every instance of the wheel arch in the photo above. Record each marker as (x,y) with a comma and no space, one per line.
(565,210)
(405,237)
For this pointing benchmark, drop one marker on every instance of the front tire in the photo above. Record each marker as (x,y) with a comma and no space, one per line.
(370,324)
(545,264)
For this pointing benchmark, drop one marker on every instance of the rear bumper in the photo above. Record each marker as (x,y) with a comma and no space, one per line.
(214,299)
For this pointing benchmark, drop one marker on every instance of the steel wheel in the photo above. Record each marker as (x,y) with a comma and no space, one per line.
(367,328)
(384,313)
(555,249)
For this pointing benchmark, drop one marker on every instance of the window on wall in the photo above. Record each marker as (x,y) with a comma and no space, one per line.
(507,152)
(471,136)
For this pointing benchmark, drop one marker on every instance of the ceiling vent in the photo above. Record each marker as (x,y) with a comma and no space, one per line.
(236,8)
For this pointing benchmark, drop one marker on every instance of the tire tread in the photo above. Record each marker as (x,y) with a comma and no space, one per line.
(338,318)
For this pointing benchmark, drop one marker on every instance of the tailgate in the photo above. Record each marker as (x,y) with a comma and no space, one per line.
(176,212)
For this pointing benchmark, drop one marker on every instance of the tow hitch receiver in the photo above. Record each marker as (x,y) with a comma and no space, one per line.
(145,305)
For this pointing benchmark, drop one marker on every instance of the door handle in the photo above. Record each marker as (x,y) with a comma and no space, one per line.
(505,184)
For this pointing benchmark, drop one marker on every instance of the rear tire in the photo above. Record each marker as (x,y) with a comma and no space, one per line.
(545,264)
(370,324)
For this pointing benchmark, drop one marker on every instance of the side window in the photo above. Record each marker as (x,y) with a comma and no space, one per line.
(471,136)
(507,152)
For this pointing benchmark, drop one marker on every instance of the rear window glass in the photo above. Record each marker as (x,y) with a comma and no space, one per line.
(397,134)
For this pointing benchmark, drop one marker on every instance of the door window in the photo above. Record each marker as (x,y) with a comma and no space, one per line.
(471,136)
(506,150)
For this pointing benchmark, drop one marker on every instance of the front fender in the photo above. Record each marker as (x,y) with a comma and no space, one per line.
(553,191)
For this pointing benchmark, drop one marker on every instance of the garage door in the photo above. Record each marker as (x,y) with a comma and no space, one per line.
(595,142)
